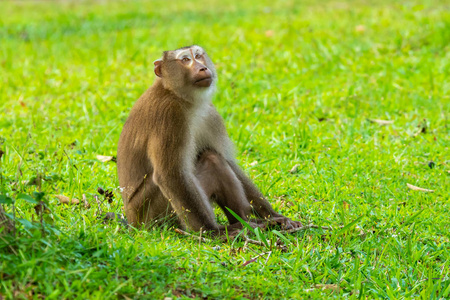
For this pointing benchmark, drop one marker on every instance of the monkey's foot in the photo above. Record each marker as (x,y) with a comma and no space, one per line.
(232,230)
(283,222)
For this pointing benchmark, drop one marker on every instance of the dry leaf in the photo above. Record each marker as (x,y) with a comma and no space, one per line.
(360,28)
(254,163)
(381,122)
(294,169)
(67,200)
(104,158)
(86,202)
(416,188)
(346,205)
(333,287)
(269,33)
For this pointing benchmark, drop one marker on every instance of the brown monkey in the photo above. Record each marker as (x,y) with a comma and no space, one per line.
(175,157)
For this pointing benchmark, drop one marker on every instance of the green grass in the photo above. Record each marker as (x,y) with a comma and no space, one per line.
(298,81)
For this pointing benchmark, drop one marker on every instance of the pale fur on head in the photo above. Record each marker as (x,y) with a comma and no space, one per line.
(175,84)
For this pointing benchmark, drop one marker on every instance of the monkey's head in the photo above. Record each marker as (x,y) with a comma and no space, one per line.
(186,70)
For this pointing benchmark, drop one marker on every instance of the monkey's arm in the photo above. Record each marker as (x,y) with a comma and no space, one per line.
(187,199)
(171,173)
(257,200)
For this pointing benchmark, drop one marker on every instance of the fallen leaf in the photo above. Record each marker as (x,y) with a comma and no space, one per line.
(360,28)
(346,205)
(294,169)
(333,287)
(269,33)
(67,200)
(416,188)
(381,122)
(86,202)
(254,163)
(104,158)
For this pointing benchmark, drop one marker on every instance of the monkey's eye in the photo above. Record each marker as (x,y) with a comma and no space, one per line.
(198,56)
(185,59)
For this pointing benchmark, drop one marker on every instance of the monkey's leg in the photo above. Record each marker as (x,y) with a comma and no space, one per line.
(147,204)
(261,207)
(219,181)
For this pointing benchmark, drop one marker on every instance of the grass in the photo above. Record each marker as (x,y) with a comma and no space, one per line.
(298,82)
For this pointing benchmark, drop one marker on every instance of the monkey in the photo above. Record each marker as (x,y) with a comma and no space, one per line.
(175,158)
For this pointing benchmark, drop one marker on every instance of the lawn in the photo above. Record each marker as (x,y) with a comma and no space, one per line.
(337,110)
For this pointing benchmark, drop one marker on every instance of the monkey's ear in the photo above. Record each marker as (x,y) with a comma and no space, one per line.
(157,64)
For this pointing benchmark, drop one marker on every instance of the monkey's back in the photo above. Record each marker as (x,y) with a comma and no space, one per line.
(151,113)
(132,162)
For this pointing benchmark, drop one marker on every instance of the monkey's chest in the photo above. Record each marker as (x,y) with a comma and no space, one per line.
(204,134)
(201,134)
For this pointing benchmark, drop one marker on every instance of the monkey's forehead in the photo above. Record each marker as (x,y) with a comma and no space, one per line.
(191,50)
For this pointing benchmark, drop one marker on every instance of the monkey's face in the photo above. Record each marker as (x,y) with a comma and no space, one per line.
(186,67)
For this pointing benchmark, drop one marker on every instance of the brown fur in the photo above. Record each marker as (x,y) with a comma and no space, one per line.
(174,155)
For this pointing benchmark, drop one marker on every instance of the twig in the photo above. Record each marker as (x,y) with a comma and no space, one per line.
(305,227)
(362,233)
(256,257)
(268,256)
(99,210)
(416,188)
(250,241)
(199,238)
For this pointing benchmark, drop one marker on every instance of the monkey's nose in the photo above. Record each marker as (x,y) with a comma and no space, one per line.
(204,69)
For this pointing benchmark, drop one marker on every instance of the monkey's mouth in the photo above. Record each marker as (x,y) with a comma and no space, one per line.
(203,82)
